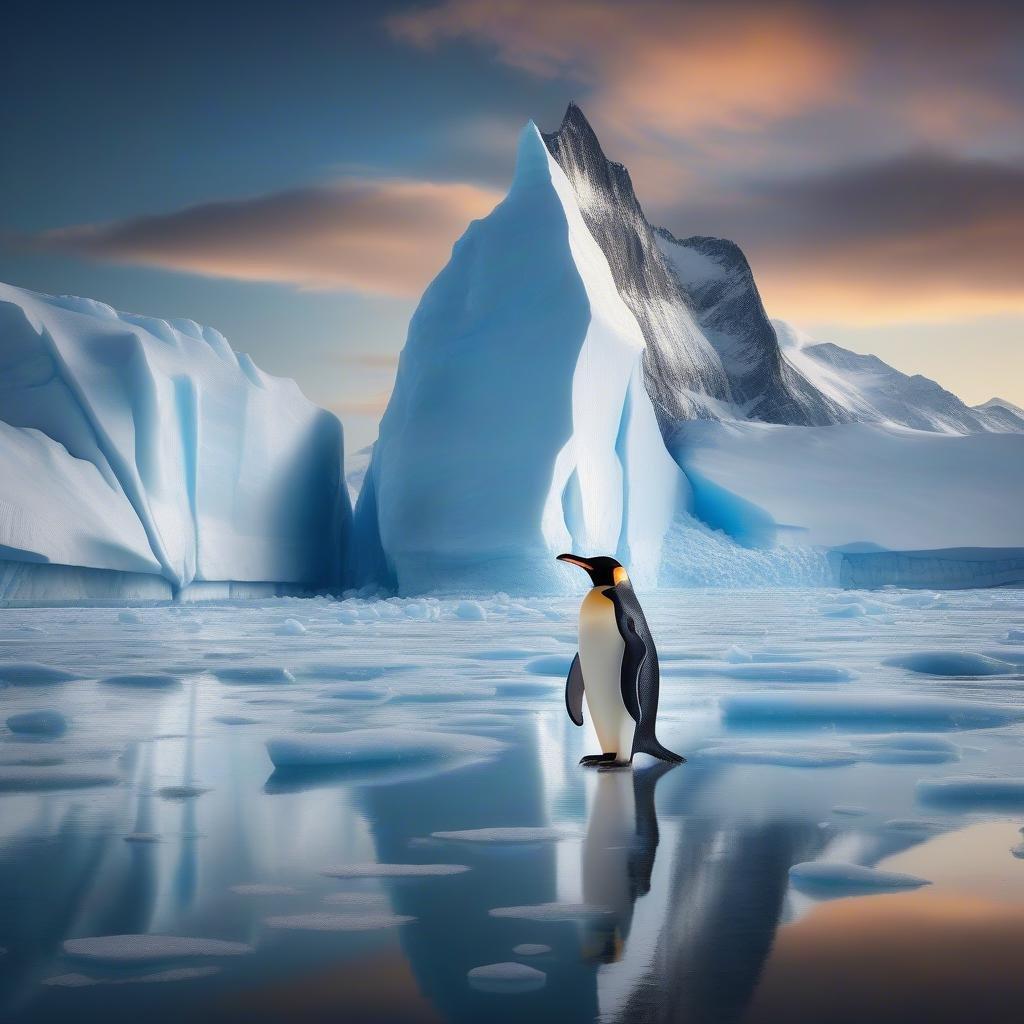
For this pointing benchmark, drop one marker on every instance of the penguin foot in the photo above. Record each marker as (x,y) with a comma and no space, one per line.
(614,766)
(592,760)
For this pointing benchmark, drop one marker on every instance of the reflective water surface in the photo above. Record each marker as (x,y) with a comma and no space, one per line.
(661,894)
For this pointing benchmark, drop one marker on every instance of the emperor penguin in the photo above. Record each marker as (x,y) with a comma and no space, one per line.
(616,668)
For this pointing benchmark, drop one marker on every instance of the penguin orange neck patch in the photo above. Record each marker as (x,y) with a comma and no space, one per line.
(619,575)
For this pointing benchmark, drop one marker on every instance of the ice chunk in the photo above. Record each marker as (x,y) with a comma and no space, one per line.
(552,912)
(846,611)
(969,792)
(145,680)
(850,810)
(24,778)
(531,949)
(318,921)
(950,663)
(737,655)
(1015,636)
(156,978)
(376,694)
(393,870)
(840,878)
(386,746)
(181,792)
(265,889)
(291,627)
(44,722)
(234,720)
(143,949)
(472,611)
(882,710)
(788,756)
(129,618)
(507,978)
(904,749)
(549,665)
(511,835)
(357,899)
(30,673)
(254,674)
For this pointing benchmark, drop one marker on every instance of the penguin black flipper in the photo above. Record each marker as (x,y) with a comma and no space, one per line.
(644,673)
(574,691)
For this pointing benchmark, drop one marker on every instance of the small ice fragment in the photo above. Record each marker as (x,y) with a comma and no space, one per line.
(531,949)
(505,835)
(158,977)
(950,663)
(472,611)
(255,674)
(234,720)
(841,877)
(324,922)
(29,673)
(181,792)
(291,627)
(264,889)
(551,912)
(1015,636)
(138,949)
(507,978)
(846,611)
(736,655)
(129,618)
(144,681)
(850,810)
(357,899)
(43,722)
(549,665)
(393,870)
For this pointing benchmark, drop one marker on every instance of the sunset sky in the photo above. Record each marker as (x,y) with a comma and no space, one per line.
(295,174)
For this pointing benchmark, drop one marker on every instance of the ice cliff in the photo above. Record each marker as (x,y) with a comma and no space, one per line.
(141,457)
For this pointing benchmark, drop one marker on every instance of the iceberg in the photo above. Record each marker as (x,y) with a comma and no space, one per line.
(519,425)
(161,463)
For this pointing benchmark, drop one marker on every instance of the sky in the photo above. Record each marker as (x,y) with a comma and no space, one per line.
(296,174)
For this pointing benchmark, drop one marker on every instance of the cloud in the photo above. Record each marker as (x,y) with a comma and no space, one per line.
(386,237)
(372,405)
(926,236)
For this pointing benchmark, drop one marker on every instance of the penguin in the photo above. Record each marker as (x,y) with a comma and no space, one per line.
(616,667)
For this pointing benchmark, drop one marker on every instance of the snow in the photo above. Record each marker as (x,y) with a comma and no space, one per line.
(154,450)
(528,304)
(44,722)
(117,950)
(839,878)
(506,978)
(856,484)
(950,663)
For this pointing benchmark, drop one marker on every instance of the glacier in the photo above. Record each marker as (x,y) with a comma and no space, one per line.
(143,458)
(519,425)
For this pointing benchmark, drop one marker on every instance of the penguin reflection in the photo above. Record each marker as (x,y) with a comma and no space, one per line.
(618,855)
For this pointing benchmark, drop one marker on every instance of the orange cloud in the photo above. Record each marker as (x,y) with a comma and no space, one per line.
(387,237)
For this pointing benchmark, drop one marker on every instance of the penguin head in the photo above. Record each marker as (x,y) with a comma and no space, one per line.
(603,571)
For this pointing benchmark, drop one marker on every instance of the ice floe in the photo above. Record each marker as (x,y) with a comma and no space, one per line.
(31,673)
(141,949)
(44,722)
(531,949)
(507,978)
(144,680)
(318,921)
(552,912)
(509,835)
(25,778)
(393,870)
(950,663)
(840,878)
(968,792)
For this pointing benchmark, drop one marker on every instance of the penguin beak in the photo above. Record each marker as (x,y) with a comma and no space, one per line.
(576,560)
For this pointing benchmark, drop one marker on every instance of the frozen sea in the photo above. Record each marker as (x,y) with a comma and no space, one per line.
(309,810)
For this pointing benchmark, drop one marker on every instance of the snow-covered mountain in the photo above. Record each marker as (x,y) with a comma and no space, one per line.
(519,425)
(872,391)
(711,351)
(141,457)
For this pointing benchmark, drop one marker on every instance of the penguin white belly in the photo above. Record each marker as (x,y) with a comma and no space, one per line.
(601,649)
